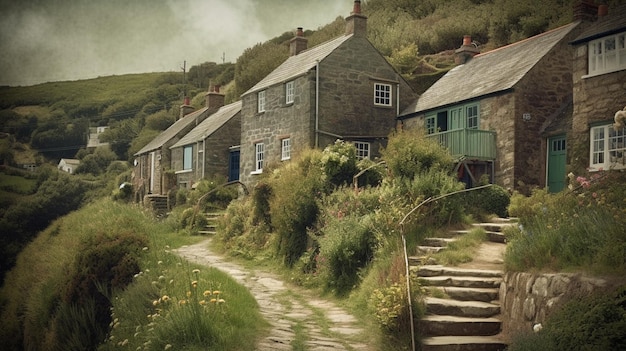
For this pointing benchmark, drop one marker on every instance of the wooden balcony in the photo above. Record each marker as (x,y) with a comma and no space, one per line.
(468,143)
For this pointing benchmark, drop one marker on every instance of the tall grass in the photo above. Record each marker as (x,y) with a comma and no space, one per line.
(50,302)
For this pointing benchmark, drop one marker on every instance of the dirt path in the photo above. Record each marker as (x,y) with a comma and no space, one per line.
(299,321)
(489,256)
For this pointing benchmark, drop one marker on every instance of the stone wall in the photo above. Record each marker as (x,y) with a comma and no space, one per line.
(527,299)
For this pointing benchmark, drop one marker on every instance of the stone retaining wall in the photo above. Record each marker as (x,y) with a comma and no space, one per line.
(527,299)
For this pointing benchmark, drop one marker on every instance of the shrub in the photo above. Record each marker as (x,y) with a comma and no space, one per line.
(409,153)
(346,246)
(293,205)
(339,163)
(590,323)
(488,201)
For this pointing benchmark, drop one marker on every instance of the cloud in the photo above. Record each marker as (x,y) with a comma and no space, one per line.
(66,40)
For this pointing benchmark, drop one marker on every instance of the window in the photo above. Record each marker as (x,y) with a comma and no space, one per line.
(259,151)
(457,117)
(382,94)
(608,148)
(187,157)
(471,113)
(289,92)
(607,54)
(362,150)
(261,101)
(285,153)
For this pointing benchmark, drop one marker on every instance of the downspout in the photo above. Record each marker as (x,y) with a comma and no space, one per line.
(397,100)
(317,103)
(203,155)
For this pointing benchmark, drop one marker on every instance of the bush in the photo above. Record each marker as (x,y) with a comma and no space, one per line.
(346,246)
(587,323)
(339,163)
(482,203)
(294,206)
(409,153)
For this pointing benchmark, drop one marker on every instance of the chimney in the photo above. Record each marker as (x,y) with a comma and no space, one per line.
(603,10)
(466,51)
(214,99)
(356,23)
(585,10)
(185,108)
(298,43)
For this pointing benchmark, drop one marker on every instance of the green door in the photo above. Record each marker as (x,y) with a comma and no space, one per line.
(457,119)
(556,163)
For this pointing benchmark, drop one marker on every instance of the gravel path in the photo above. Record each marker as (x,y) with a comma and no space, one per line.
(296,316)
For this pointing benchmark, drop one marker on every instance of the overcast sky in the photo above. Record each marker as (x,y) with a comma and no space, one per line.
(55,40)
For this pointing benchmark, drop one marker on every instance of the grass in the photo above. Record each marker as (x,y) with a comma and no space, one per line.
(463,249)
(142,316)
(17,184)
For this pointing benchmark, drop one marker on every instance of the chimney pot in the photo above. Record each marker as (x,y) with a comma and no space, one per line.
(298,43)
(216,88)
(299,32)
(467,40)
(357,7)
(603,10)
(186,101)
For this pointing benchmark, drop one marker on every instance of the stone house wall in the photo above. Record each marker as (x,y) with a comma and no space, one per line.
(346,107)
(279,121)
(596,99)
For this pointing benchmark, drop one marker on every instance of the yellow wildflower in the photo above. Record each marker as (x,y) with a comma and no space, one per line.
(165,298)
(202,302)
(216,292)
(196,271)
(213,300)
(206,292)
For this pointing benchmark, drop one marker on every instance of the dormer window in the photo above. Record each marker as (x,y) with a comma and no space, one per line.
(382,94)
(261,101)
(607,54)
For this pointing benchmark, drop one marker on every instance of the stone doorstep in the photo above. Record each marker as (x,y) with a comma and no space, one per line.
(207,232)
(435,270)
(463,343)
(442,242)
(462,281)
(461,308)
(469,294)
(435,325)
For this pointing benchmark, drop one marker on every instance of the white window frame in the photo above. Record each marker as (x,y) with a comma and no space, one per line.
(382,94)
(607,54)
(259,155)
(187,157)
(290,88)
(261,101)
(607,148)
(362,150)
(285,149)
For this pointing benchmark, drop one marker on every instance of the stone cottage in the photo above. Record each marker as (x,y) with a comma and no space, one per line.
(209,150)
(341,89)
(68,165)
(599,80)
(491,110)
(152,166)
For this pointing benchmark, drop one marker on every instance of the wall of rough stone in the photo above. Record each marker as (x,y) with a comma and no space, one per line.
(527,299)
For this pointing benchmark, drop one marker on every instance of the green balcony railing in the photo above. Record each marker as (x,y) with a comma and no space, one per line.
(468,143)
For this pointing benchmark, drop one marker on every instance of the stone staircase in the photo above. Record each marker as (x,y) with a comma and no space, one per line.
(463,307)
(211,226)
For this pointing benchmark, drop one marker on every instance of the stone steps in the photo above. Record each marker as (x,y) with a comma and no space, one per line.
(466,294)
(435,325)
(457,308)
(464,282)
(464,315)
(211,227)
(462,343)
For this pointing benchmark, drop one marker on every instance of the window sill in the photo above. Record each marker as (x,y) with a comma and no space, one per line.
(597,74)
(184,171)
(256,172)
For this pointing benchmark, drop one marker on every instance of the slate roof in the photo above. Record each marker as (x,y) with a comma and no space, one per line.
(210,124)
(613,22)
(299,64)
(488,73)
(70,161)
(172,131)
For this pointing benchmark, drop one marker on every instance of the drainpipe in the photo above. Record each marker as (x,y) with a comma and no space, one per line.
(203,155)
(398,99)
(317,103)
